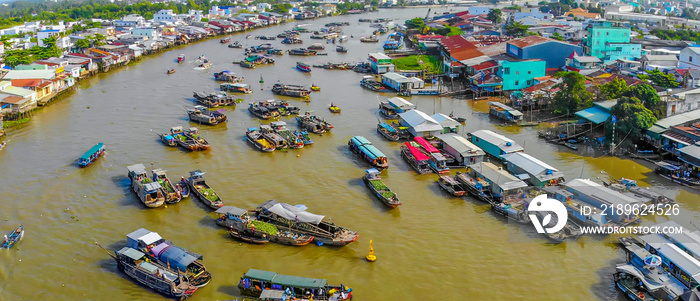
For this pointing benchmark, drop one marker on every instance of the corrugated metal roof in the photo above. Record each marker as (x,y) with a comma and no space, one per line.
(420,121)
(691,151)
(599,192)
(461,145)
(498,140)
(445,121)
(679,119)
(498,175)
(401,103)
(529,163)
(596,115)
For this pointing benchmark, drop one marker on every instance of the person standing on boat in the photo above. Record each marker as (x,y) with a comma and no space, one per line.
(5,239)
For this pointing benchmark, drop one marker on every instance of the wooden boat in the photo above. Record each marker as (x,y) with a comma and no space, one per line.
(170,71)
(225,40)
(255,137)
(157,277)
(415,158)
(334,109)
(265,38)
(478,188)
(451,185)
(150,193)
(172,195)
(200,188)
(370,39)
(252,237)
(388,131)
(263,110)
(371,84)
(228,76)
(193,135)
(315,88)
(316,46)
(304,136)
(290,90)
(393,41)
(249,65)
(3,144)
(236,219)
(383,193)
(677,174)
(13,238)
(301,221)
(280,127)
(183,189)
(236,88)
(571,145)
(269,134)
(437,162)
(341,49)
(291,287)
(235,44)
(311,123)
(302,52)
(202,66)
(458,119)
(363,148)
(515,211)
(303,67)
(504,112)
(201,115)
(292,40)
(275,51)
(181,59)
(91,155)
(166,253)
(170,139)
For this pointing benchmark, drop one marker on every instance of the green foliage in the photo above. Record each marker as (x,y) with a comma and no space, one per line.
(516,29)
(557,36)
(204,20)
(416,23)
(416,62)
(660,79)
(82,43)
(572,93)
(613,89)
(12,123)
(649,97)
(632,117)
(495,15)
(676,34)
(281,8)
(555,8)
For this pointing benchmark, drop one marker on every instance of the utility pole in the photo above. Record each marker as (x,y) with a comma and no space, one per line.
(612,142)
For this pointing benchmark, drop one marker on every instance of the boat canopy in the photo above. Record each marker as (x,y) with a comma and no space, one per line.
(401,104)
(252,129)
(420,156)
(231,210)
(372,172)
(177,257)
(278,124)
(294,213)
(388,127)
(131,253)
(426,145)
(372,151)
(169,137)
(360,141)
(668,166)
(142,235)
(260,275)
(269,294)
(285,280)
(92,151)
(176,129)
(151,187)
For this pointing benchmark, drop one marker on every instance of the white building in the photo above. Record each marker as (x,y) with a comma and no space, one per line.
(44,34)
(535,13)
(690,58)
(479,10)
(164,15)
(130,21)
(263,7)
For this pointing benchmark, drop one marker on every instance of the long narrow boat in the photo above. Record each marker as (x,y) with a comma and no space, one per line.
(183,188)
(193,134)
(478,188)
(255,137)
(303,67)
(301,221)
(383,193)
(236,88)
(91,155)
(234,218)
(157,277)
(263,110)
(451,185)
(13,238)
(305,137)
(362,147)
(290,90)
(172,195)
(205,194)
(201,115)
(166,253)
(677,174)
(388,131)
(186,142)
(170,139)
(248,236)
(417,159)
(254,282)
(150,193)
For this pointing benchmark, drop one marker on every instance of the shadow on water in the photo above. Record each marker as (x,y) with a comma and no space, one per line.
(605,288)
(231,290)
(209,222)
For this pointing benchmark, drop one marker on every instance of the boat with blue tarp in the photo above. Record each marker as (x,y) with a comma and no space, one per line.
(171,139)
(166,253)
(388,131)
(91,155)
(393,41)
(255,281)
(361,146)
(13,238)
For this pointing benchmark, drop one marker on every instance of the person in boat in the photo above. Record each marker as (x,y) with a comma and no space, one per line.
(4,239)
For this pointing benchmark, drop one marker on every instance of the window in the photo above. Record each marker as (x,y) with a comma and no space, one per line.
(597,34)
(517,72)
(529,82)
(529,72)
(506,70)
(607,33)
(517,82)
(690,58)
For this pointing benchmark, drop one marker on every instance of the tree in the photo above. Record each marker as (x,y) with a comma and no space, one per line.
(557,36)
(572,93)
(632,117)
(613,89)
(148,15)
(660,79)
(495,15)
(415,23)
(516,29)
(82,43)
(649,97)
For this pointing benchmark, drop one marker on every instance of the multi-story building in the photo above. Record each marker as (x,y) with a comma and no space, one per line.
(610,43)
(519,74)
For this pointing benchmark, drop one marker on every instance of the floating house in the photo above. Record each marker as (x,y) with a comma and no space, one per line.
(400,83)
(531,169)
(500,182)
(448,124)
(380,63)
(581,195)
(420,124)
(505,112)
(464,152)
(396,105)
(494,144)
(691,155)
(599,113)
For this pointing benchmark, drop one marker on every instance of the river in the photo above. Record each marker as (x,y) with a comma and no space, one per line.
(434,247)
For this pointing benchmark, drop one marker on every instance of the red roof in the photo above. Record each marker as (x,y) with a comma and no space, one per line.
(13,99)
(573,55)
(415,152)
(426,145)
(459,48)
(428,37)
(529,41)
(485,65)
(26,82)
(44,84)
(681,71)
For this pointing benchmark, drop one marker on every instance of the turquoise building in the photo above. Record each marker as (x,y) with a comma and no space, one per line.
(610,43)
(520,74)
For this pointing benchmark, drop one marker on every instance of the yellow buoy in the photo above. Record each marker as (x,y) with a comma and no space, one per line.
(370,257)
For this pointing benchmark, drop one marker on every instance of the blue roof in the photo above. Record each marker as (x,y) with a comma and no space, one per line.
(387,127)
(93,150)
(371,151)
(177,257)
(50,30)
(359,141)
(596,115)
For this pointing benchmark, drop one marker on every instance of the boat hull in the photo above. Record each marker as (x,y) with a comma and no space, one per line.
(14,238)
(147,281)
(202,197)
(392,203)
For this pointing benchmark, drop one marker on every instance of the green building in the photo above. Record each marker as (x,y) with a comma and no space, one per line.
(520,74)
(610,43)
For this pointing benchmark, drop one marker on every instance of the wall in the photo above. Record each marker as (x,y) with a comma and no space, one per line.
(553,53)
(688,59)
(519,75)
(622,52)
(599,36)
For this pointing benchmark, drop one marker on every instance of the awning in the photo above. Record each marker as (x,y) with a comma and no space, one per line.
(295,214)
(594,114)
(177,258)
